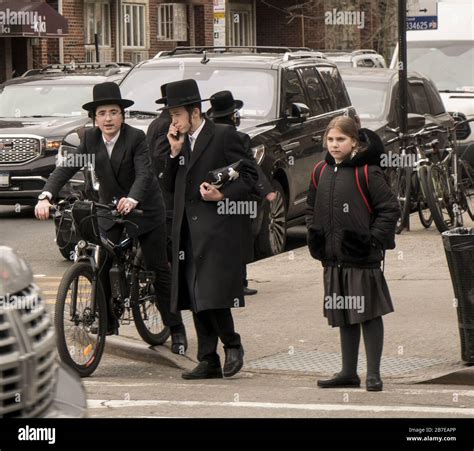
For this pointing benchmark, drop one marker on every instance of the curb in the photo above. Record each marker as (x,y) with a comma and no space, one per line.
(133,349)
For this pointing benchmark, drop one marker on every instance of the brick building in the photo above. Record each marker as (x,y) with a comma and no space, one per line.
(133,30)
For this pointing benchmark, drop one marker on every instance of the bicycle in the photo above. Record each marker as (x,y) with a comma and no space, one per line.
(81,308)
(406,178)
(449,186)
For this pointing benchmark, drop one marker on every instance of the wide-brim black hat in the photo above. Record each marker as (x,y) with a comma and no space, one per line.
(223,104)
(107,93)
(163,98)
(182,93)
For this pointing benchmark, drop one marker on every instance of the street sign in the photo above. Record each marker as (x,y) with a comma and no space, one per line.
(422,15)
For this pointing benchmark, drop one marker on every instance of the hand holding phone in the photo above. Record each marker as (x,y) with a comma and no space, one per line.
(176,140)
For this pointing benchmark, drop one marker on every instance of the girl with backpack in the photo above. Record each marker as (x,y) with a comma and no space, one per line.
(351,219)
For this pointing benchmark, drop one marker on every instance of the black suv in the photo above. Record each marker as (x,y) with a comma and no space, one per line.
(36,113)
(289,95)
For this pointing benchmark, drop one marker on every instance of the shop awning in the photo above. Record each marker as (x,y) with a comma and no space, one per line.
(30,18)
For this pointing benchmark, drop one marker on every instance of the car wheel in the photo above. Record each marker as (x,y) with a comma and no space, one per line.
(272,237)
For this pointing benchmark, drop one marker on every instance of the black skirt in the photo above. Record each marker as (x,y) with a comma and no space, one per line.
(354,295)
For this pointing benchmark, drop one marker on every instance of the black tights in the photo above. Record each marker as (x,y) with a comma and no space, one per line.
(373,341)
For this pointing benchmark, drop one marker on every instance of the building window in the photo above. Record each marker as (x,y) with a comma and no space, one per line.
(172,22)
(134,25)
(97,20)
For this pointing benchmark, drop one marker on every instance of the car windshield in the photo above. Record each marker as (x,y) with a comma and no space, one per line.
(27,100)
(368,97)
(256,88)
(447,63)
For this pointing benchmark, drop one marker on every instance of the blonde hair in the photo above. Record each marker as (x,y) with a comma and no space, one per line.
(346,125)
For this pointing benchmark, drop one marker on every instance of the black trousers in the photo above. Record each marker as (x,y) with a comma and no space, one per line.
(211,325)
(153,246)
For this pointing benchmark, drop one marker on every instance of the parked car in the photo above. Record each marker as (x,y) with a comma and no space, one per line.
(36,113)
(374,94)
(33,383)
(446,54)
(289,96)
(356,58)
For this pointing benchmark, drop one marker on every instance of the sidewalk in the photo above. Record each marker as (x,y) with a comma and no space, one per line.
(283,329)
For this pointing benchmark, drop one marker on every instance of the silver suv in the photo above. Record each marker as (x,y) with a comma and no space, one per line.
(356,58)
(33,384)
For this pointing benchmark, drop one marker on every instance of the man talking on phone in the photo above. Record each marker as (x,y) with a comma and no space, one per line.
(207,244)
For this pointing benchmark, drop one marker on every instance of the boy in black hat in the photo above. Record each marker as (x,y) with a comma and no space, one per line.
(224,110)
(207,244)
(119,154)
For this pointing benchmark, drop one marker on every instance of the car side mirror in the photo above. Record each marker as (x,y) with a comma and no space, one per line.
(415,121)
(299,113)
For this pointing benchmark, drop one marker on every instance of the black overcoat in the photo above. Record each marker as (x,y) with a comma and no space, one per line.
(216,238)
(127,173)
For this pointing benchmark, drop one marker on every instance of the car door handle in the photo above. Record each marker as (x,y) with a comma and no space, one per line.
(317,138)
(290,146)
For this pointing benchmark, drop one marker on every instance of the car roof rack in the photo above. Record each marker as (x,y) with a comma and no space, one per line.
(349,52)
(229,49)
(303,54)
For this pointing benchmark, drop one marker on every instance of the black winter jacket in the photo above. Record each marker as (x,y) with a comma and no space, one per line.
(341,230)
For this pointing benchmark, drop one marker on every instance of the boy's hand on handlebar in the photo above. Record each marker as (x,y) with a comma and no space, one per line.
(125,206)
(42,209)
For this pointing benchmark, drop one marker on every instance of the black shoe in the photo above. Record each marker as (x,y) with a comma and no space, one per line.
(204,370)
(374,383)
(234,361)
(179,342)
(249,291)
(340,381)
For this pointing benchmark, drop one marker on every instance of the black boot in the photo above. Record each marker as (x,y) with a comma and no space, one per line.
(179,342)
(234,361)
(340,381)
(204,370)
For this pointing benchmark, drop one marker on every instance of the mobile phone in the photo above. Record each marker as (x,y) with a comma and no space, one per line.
(177,135)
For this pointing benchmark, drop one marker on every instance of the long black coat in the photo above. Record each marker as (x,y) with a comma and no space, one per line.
(159,148)
(216,238)
(127,173)
(341,230)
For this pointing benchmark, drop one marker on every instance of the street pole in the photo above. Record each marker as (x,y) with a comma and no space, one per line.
(402,76)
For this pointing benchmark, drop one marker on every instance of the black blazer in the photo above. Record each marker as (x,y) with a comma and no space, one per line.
(127,173)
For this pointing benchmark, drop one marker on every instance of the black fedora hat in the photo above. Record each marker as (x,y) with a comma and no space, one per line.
(223,104)
(107,93)
(182,93)
(162,99)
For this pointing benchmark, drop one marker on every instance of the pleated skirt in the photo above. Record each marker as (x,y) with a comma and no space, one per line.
(354,295)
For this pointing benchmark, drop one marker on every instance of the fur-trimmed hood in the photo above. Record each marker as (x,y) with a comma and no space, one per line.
(370,152)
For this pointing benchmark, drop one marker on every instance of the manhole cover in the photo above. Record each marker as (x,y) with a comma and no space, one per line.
(328,363)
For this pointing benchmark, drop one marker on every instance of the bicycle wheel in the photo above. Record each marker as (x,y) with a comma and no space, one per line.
(75,315)
(400,183)
(424,212)
(435,186)
(145,311)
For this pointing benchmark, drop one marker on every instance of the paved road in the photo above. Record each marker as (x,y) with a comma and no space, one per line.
(128,388)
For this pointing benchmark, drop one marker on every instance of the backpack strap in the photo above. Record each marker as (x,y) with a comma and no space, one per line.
(317,172)
(364,187)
